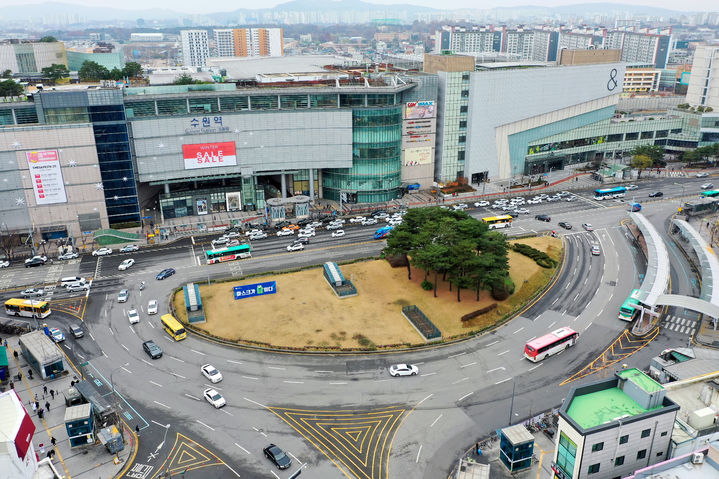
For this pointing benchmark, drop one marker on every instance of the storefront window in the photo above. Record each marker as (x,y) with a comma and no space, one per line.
(234,103)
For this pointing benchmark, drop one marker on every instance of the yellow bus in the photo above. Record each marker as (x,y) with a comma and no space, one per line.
(496,222)
(27,307)
(173,327)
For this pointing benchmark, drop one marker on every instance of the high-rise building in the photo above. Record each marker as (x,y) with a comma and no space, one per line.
(195,48)
(641,46)
(531,44)
(258,42)
(703,87)
(468,40)
(225,42)
(30,56)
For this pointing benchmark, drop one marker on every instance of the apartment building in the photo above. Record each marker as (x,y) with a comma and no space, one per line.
(195,47)
(258,42)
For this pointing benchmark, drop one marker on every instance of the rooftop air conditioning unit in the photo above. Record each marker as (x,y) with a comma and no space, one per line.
(697,458)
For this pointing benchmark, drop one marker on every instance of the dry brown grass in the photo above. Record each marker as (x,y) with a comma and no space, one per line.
(306,312)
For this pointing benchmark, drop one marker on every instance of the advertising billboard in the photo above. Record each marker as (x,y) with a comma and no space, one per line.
(417,141)
(418,156)
(234,201)
(46,177)
(209,155)
(419,109)
(257,289)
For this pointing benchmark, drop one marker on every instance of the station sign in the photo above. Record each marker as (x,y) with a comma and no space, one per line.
(257,289)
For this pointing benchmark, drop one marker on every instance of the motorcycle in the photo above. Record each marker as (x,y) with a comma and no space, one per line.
(554,234)
(142,285)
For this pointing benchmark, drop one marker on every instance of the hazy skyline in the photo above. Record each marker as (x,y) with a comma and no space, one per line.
(195,7)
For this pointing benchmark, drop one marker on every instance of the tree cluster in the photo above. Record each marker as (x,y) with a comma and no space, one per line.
(460,248)
(647,156)
(707,153)
(93,71)
(10,88)
(55,71)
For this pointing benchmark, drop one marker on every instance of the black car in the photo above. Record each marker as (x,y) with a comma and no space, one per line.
(76,331)
(565,225)
(513,214)
(282,224)
(303,222)
(303,240)
(152,349)
(277,456)
(656,194)
(543,218)
(34,262)
(166,273)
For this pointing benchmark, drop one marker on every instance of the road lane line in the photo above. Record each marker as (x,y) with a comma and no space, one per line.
(91,336)
(587,327)
(192,397)
(276,367)
(163,405)
(111,331)
(492,343)
(242,448)
(531,339)
(103,353)
(234,362)
(423,400)
(503,352)
(518,330)
(176,359)
(455,355)
(227,412)
(125,369)
(146,362)
(208,427)
(503,381)
(295,458)
(427,374)
(435,421)
(249,377)
(178,375)
(337,383)
(254,402)
(575,298)
(273,473)
(468,365)
(197,352)
(323,372)
(535,367)
(156,384)
(465,396)
(554,302)
(553,323)
(501,368)
(418,453)
(151,325)
(124,347)
(460,380)
(294,382)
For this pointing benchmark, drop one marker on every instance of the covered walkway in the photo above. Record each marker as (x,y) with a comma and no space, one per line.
(656,280)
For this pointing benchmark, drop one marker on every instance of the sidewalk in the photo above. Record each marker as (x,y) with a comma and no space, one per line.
(92,461)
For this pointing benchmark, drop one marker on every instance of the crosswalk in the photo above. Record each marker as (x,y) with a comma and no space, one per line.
(680,325)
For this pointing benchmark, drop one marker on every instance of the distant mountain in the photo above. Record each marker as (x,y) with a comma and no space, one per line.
(52,9)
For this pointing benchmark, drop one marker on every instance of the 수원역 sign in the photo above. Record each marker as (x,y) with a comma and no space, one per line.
(257,289)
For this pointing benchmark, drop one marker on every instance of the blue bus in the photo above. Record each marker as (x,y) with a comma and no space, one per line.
(382,232)
(610,193)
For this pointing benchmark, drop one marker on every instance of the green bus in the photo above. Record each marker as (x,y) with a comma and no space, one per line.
(630,308)
(710,193)
(228,254)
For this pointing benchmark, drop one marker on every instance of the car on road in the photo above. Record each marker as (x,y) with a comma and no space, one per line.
(588,227)
(32,262)
(301,240)
(102,252)
(214,398)
(152,306)
(76,331)
(306,233)
(369,221)
(77,287)
(570,199)
(481,204)
(129,248)
(293,226)
(165,273)
(277,456)
(295,247)
(285,232)
(32,293)
(632,187)
(211,373)
(70,255)
(122,296)
(67,281)
(253,231)
(357,219)
(565,225)
(707,186)
(403,370)
(703,174)
(126,264)
(315,224)
(460,206)
(258,236)
(656,194)
(380,215)
(543,218)
(152,349)
(595,250)
(338,233)
(133,317)
(523,211)
(4,263)
(56,335)
(335,226)
(232,234)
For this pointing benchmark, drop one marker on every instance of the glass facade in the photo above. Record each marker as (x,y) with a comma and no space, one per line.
(566,455)
(452,121)
(375,175)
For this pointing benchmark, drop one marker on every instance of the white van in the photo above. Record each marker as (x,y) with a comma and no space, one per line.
(65,282)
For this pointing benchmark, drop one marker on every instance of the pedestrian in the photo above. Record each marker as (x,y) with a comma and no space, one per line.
(52,393)
(137,429)
(476,448)
(53,441)
(44,389)
(29,373)
(47,405)
(37,404)
(34,406)
(40,413)
(14,353)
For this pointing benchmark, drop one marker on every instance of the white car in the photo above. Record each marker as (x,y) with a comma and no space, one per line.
(122,296)
(588,227)
(335,226)
(126,264)
(707,186)
(221,241)
(4,264)
(315,224)
(338,233)
(152,307)
(38,258)
(258,236)
(338,221)
(702,175)
(285,232)
(399,222)
(632,187)
(133,317)
(481,204)
(369,221)
(357,219)
(461,206)
(295,247)
(523,211)
(68,256)
(56,335)
(209,371)
(307,232)
(77,287)
(232,234)
(129,248)
(403,370)
(32,293)
(102,252)
(214,398)
(253,232)
(379,215)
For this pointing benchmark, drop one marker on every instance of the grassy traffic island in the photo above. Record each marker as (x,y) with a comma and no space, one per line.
(305,314)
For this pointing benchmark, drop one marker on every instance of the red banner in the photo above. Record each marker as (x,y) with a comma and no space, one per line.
(209,155)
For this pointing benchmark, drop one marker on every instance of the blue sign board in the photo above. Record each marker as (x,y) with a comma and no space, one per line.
(257,289)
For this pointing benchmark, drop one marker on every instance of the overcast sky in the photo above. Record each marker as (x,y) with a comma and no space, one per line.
(195,6)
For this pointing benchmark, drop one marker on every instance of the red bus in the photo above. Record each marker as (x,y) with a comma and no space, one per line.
(552,343)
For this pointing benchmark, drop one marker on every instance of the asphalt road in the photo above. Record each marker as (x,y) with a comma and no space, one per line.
(343,415)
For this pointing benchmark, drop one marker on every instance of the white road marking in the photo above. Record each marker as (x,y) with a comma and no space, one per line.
(91,336)
(575,298)
(423,400)
(294,382)
(337,383)
(254,402)
(531,339)
(435,421)
(273,473)
(465,396)
(518,330)
(111,331)
(468,365)
(132,329)
(164,426)
(496,369)
(126,370)
(227,412)
(588,326)
(192,397)
(146,362)
(151,325)
(455,355)
(176,359)
(242,448)
(503,381)
(197,352)
(460,380)
(492,343)
(249,377)
(503,352)
(178,375)
(103,353)
(418,453)
(535,367)
(233,362)
(295,458)
(555,300)
(427,374)
(156,384)
(550,326)
(276,367)
(124,347)
(168,407)
(208,427)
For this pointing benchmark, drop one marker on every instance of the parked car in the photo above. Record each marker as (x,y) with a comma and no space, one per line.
(316,224)
(588,227)
(369,221)
(523,211)
(129,248)
(565,225)
(165,273)
(56,335)
(380,215)
(277,456)
(595,250)
(403,370)
(211,373)
(632,187)
(253,231)
(461,206)
(232,234)
(570,199)
(258,236)
(67,256)
(214,398)
(32,293)
(76,331)
(102,252)
(335,226)
(357,219)
(481,204)
(707,186)
(295,247)
(152,306)
(703,174)
(656,194)
(543,218)
(32,262)
(133,317)
(338,233)
(126,264)
(285,232)
(122,296)
(4,263)
(152,349)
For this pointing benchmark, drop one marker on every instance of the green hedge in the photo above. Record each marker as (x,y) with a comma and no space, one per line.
(539,257)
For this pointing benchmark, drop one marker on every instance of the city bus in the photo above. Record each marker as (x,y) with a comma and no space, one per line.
(382,232)
(228,254)
(630,308)
(28,308)
(496,222)
(173,327)
(710,193)
(610,193)
(549,344)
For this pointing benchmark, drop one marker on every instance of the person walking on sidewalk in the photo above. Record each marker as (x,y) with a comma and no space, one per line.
(53,441)
(44,390)
(47,406)
(52,393)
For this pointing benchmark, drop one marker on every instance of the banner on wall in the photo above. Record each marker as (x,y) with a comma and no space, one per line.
(209,155)
(234,201)
(419,109)
(46,176)
(202,207)
(418,156)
